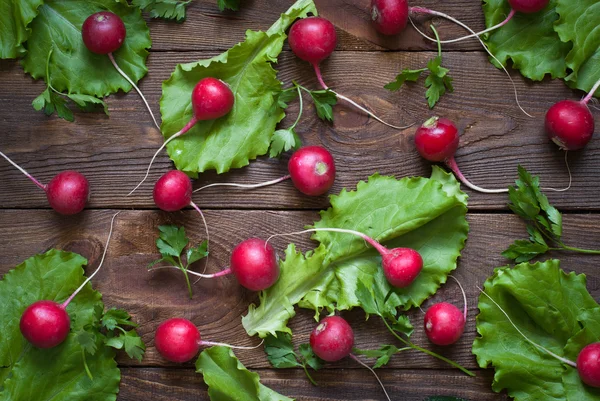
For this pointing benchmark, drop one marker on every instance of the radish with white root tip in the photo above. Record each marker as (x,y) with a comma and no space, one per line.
(67,192)
(588,360)
(444,323)
(253,262)
(333,340)
(46,324)
(211,99)
(313,39)
(311,169)
(104,33)
(178,340)
(390,17)
(401,266)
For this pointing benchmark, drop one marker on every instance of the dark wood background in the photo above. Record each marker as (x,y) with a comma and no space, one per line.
(113,153)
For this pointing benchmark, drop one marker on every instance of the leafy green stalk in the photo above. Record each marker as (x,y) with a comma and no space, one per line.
(171,243)
(437,83)
(51,100)
(281,354)
(544,221)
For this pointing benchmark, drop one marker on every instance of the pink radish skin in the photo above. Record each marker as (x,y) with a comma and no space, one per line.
(528,6)
(570,124)
(103,32)
(332,339)
(45,323)
(444,324)
(588,365)
(401,266)
(389,16)
(173,191)
(211,99)
(178,340)
(437,140)
(68,192)
(254,264)
(312,170)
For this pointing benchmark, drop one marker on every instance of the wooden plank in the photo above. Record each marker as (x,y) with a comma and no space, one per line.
(114,152)
(218,304)
(206,28)
(160,384)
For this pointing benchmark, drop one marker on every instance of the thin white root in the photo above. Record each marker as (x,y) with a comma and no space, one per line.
(374,374)
(353,103)
(570,176)
(211,344)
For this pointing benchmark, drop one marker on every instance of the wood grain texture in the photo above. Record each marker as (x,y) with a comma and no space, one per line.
(159,384)
(114,152)
(206,28)
(218,304)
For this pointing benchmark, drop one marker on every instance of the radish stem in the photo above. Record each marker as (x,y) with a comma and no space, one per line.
(451,163)
(589,96)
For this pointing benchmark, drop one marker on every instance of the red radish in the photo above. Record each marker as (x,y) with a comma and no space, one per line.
(588,365)
(401,266)
(45,323)
(570,124)
(588,360)
(311,169)
(104,33)
(313,39)
(528,6)
(389,16)
(178,340)
(333,340)
(445,323)
(211,99)
(253,263)
(437,140)
(67,192)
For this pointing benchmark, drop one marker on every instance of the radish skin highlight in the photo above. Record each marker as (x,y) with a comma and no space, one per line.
(104,33)
(211,99)
(67,193)
(46,323)
(178,340)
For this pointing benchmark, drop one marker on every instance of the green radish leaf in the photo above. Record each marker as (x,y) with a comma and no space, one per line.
(15,17)
(167,9)
(578,24)
(58,373)
(245,133)
(280,351)
(324,100)
(426,214)
(227,379)
(528,40)
(406,75)
(73,68)
(229,4)
(284,140)
(547,305)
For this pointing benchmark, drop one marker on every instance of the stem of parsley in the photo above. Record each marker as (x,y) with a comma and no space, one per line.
(187,279)
(439,42)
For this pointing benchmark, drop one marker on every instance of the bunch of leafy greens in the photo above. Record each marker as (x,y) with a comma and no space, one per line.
(438,81)
(228,379)
(246,132)
(59,373)
(286,139)
(167,9)
(554,310)
(426,214)
(562,40)
(544,221)
(170,243)
(55,51)
(281,354)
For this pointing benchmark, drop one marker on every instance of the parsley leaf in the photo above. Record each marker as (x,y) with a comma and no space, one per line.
(438,82)
(228,4)
(171,244)
(280,352)
(383,354)
(167,9)
(544,221)
(284,140)
(324,99)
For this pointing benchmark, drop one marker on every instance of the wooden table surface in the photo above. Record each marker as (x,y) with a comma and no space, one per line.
(113,153)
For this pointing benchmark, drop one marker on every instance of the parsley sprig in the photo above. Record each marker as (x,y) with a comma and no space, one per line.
(281,354)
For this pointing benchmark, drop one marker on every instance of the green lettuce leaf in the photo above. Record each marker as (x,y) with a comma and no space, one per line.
(529,40)
(245,133)
(58,374)
(15,17)
(73,68)
(426,214)
(578,24)
(228,379)
(548,306)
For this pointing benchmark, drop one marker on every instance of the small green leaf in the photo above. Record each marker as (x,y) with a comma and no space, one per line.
(287,96)
(116,317)
(87,340)
(403,325)
(280,351)
(167,9)
(284,140)
(228,4)
(172,240)
(524,250)
(197,253)
(438,82)
(88,103)
(324,99)
(405,76)
(310,358)
(383,354)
